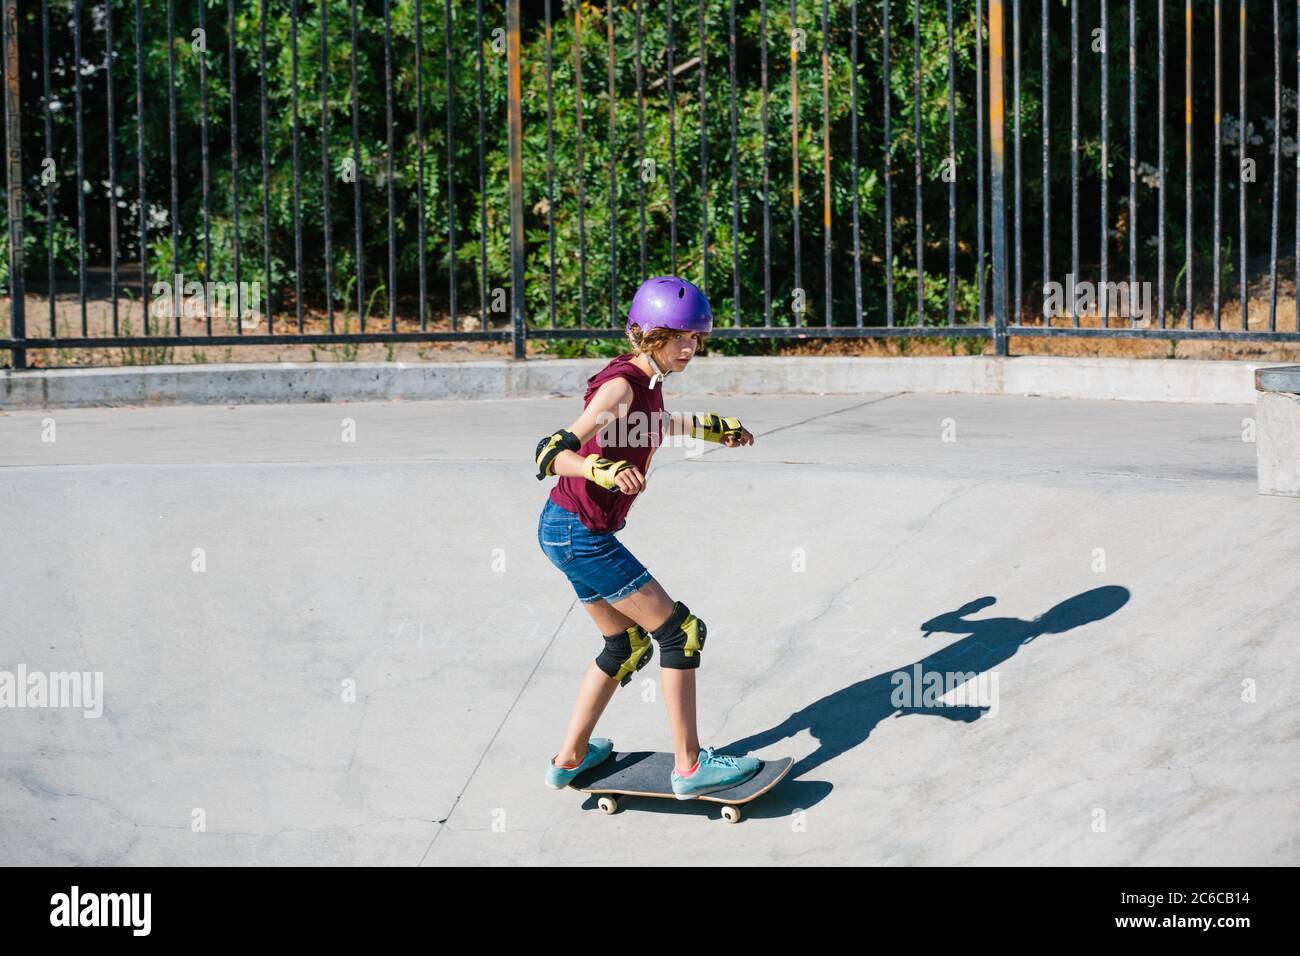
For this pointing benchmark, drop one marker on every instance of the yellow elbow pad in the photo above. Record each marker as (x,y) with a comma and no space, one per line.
(550,447)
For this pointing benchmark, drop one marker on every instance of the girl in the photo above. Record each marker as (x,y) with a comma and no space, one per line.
(601,470)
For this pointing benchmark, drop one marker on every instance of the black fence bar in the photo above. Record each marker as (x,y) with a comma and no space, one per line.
(1018,276)
(724,332)
(735,167)
(853,116)
(392,197)
(533,222)
(171,130)
(81,163)
(826,169)
(1104,198)
(1277,165)
(50,154)
(142,214)
(233,67)
(298,172)
(795,33)
(281,338)
(767,172)
(640,144)
(14,177)
(516,136)
(111,139)
(672,145)
(582,179)
(1074,148)
(451,178)
(266,170)
(919,176)
(482,171)
(1164,335)
(206,163)
(1188,238)
(613,176)
(952,178)
(997,191)
(889,164)
(704,161)
(421,260)
(1132,158)
(1243,142)
(1160,146)
(1047,165)
(357,176)
(550,156)
(1218,160)
(979,157)
(327,178)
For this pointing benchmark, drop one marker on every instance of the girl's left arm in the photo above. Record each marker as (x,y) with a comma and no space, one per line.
(713,427)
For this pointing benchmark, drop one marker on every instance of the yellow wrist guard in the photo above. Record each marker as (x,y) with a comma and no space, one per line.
(714,427)
(602,471)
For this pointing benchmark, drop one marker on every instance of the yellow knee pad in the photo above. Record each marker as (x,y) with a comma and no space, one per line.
(681,638)
(625,653)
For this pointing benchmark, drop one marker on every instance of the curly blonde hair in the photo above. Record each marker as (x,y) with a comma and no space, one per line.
(655,339)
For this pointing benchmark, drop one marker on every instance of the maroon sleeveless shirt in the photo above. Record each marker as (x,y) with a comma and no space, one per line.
(633,439)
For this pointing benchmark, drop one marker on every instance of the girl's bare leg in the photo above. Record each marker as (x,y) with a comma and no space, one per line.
(648,607)
(595,693)
(679,696)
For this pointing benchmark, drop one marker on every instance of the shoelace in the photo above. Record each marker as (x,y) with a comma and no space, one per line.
(709,755)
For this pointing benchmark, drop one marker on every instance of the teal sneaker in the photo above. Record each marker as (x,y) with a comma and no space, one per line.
(598,748)
(715,772)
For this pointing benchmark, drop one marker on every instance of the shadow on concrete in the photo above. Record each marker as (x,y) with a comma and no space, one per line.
(846,718)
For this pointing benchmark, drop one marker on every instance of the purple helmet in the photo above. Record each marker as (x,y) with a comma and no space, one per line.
(667,302)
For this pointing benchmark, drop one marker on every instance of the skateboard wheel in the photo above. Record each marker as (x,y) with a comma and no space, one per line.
(731,813)
(608,804)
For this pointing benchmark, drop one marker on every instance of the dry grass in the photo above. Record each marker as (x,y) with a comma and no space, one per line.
(99,323)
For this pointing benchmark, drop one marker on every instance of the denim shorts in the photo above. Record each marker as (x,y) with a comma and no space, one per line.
(597,565)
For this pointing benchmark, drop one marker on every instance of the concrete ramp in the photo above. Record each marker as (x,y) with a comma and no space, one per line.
(325,635)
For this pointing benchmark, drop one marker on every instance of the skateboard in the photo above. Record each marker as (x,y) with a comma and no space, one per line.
(646,773)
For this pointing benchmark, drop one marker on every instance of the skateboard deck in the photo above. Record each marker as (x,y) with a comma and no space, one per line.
(646,773)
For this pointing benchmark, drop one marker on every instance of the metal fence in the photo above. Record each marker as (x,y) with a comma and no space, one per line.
(484,218)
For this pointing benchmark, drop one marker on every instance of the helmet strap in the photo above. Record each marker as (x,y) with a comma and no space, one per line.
(660,374)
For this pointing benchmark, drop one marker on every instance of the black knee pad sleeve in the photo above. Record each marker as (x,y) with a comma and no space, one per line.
(681,638)
(625,653)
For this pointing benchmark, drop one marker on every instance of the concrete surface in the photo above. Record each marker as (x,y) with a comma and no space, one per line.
(1278,430)
(1280,378)
(1141,380)
(1110,565)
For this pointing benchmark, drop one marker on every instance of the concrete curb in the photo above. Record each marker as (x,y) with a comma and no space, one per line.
(1139,380)
(1277,430)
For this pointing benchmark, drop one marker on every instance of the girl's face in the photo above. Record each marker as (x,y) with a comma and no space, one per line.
(676,353)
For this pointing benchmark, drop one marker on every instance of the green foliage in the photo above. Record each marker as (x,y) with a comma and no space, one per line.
(592,153)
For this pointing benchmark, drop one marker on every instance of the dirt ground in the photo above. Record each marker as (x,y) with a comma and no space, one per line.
(99,323)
